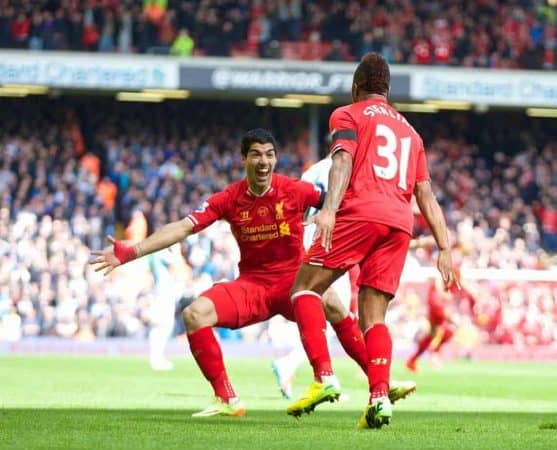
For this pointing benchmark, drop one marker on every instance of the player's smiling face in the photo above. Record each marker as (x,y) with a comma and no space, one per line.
(259,164)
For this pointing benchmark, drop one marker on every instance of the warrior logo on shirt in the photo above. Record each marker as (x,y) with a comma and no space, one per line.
(279,210)
(244,215)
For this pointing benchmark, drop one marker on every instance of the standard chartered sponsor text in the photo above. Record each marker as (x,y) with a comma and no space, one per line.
(61,71)
(258,228)
(259,232)
(260,236)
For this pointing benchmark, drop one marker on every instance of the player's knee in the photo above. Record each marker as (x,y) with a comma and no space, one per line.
(334,311)
(311,279)
(448,333)
(196,315)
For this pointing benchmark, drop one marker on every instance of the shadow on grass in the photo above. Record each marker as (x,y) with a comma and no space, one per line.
(334,419)
(174,428)
(204,396)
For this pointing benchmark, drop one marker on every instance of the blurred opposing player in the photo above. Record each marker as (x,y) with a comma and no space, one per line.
(442,325)
(378,163)
(285,368)
(265,211)
(166,292)
(338,300)
(162,267)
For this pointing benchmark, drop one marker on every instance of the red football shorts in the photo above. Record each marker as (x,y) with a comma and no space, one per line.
(248,299)
(378,249)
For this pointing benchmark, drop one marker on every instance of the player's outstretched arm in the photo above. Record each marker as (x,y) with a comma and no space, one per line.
(430,209)
(120,253)
(339,177)
(422,242)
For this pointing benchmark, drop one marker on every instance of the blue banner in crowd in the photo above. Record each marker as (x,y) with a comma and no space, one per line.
(88,71)
(490,87)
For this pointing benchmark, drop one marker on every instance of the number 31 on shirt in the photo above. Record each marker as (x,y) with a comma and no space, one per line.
(387,151)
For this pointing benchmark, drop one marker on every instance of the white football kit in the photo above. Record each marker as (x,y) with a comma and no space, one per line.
(286,333)
(318,175)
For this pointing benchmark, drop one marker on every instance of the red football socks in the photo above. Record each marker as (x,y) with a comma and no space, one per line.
(379,352)
(208,355)
(313,326)
(352,341)
(448,334)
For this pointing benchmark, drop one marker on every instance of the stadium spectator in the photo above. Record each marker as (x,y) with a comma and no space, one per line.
(546,211)
(336,53)
(155,10)
(183,44)
(20,30)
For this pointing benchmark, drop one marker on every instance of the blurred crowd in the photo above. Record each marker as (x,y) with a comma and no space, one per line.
(71,176)
(483,33)
(58,201)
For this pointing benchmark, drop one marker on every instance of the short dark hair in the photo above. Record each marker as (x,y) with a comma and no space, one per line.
(372,74)
(259,135)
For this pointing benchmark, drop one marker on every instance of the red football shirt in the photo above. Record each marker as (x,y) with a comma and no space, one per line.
(388,160)
(268,228)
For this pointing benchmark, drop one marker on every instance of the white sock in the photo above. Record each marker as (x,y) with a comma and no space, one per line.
(158,337)
(290,362)
(331,380)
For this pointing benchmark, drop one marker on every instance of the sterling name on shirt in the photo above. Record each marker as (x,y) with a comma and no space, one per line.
(379,109)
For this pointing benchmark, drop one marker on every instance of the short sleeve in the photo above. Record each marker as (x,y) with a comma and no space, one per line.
(307,195)
(343,131)
(422,172)
(214,208)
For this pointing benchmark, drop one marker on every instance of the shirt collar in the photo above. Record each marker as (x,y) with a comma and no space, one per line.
(376,98)
(269,189)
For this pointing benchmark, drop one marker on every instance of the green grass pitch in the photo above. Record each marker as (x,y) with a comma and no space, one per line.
(118,402)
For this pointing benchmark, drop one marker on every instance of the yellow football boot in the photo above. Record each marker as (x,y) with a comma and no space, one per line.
(234,408)
(400,389)
(317,393)
(377,414)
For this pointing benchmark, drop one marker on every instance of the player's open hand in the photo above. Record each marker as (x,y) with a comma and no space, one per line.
(445,267)
(324,221)
(113,256)
(105,259)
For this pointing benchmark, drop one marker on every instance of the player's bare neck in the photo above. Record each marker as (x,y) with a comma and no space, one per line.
(369,96)
(255,192)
